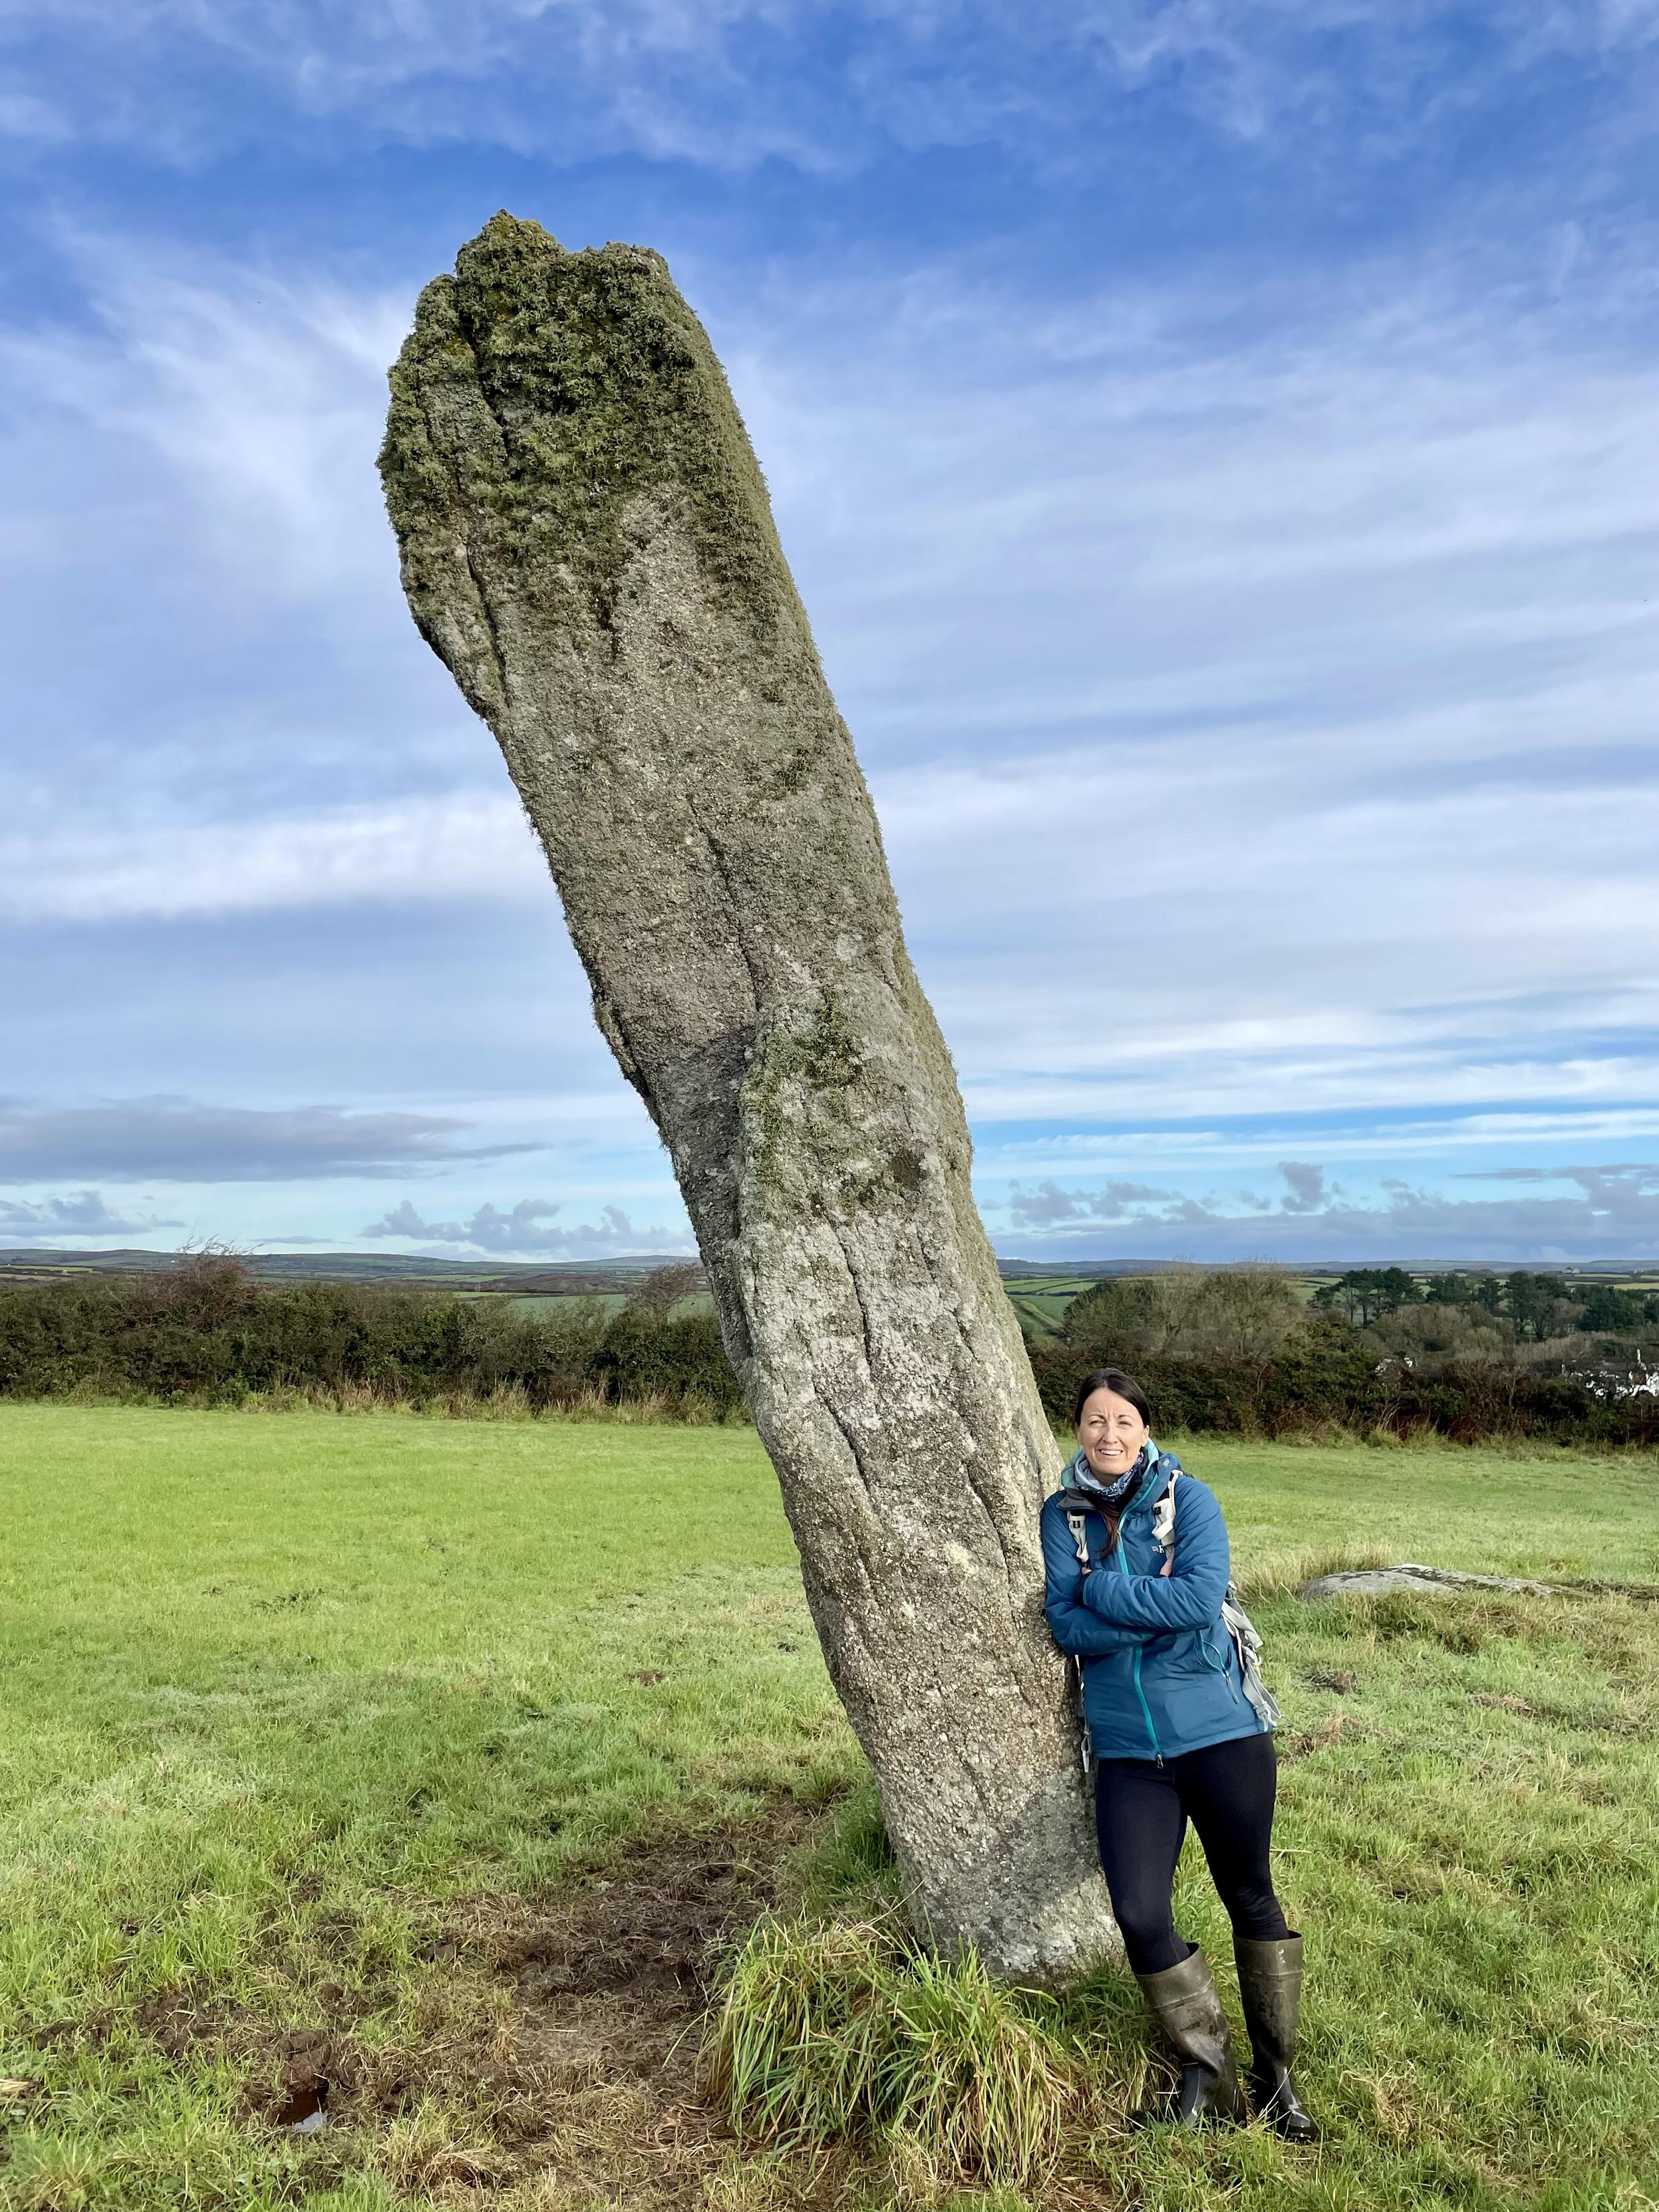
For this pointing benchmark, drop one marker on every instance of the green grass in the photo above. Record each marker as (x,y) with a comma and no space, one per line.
(1041,1302)
(278,1695)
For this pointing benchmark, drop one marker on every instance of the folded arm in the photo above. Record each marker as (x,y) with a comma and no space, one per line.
(1073,1627)
(1190,1595)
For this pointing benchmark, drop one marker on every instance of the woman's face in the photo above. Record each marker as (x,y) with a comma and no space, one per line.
(1111,1434)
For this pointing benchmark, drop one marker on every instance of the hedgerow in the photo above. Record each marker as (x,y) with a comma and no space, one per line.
(201,1332)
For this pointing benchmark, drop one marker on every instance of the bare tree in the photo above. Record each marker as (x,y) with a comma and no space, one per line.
(664,1288)
(587,542)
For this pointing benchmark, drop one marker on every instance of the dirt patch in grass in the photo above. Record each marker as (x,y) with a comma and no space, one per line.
(627,1963)
(557,2060)
(1325,1735)
(589,2074)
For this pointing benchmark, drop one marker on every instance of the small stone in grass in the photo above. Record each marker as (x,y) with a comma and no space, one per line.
(1425,1582)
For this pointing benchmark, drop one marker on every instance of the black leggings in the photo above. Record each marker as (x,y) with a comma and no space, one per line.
(1141,1812)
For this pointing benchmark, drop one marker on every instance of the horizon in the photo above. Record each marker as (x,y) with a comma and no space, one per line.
(1012,1267)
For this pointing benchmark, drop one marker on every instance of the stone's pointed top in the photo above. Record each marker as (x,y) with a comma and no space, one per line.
(505,228)
(508,238)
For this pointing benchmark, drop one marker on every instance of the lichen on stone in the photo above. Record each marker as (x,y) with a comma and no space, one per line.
(542,393)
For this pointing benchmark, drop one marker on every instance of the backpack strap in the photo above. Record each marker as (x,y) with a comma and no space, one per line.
(1163,1514)
(1076,1520)
(1079,1525)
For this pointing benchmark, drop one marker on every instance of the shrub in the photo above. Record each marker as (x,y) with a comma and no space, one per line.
(1226,1314)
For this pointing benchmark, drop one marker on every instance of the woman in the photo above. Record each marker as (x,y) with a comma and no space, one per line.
(1135,1593)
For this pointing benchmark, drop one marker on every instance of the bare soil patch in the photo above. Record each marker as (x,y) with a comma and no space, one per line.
(625,1966)
(561,2056)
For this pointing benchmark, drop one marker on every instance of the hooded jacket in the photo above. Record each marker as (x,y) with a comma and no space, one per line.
(1160,1675)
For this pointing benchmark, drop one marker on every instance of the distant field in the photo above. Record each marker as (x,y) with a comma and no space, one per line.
(308,1721)
(546,1305)
(1040,1301)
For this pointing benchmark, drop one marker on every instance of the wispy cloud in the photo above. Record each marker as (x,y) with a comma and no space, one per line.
(1236,560)
(179,1140)
(460,847)
(824,84)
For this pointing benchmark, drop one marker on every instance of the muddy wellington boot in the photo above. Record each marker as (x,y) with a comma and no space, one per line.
(1189,2017)
(1270,1984)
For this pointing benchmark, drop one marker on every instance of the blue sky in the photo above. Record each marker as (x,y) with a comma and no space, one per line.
(1218,446)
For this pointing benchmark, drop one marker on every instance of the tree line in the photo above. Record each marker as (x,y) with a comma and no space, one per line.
(1232,1348)
(1538,1308)
(1468,1356)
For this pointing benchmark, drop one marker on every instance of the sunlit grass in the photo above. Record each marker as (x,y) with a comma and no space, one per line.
(275,1693)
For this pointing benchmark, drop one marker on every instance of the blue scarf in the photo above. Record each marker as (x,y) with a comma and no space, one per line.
(1080,1475)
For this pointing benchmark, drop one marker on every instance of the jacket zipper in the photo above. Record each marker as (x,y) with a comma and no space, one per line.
(1145,1710)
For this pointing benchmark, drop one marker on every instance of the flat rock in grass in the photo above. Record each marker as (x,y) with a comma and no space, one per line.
(1428,1582)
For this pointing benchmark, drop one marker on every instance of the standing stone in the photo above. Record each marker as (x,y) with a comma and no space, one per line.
(587,544)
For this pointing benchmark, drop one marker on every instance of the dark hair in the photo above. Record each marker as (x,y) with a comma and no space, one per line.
(1114,1380)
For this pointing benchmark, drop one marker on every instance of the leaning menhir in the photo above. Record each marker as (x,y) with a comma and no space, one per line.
(587,542)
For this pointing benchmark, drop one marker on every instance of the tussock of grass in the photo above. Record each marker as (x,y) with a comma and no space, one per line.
(845,2033)
(805,2045)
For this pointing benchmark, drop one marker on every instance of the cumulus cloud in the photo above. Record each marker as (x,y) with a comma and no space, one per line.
(179,1140)
(525,1228)
(1307,1186)
(80,1213)
(1623,1195)
(1046,1204)
(1614,1218)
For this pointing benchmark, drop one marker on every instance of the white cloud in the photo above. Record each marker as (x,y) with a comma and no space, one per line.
(463,845)
(526,1228)
(258,395)
(822,83)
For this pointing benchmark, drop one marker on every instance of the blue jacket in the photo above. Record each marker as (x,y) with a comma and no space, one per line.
(1160,1675)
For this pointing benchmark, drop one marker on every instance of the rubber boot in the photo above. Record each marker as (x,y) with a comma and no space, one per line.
(1188,2014)
(1270,1984)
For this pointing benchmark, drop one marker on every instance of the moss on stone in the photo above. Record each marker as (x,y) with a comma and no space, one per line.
(543,392)
(787,1069)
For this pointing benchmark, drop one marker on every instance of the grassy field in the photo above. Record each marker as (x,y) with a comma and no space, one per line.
(1040,1301)
(418,1753)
